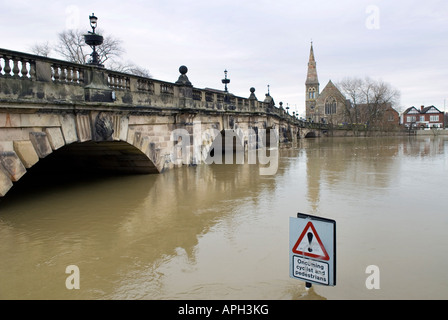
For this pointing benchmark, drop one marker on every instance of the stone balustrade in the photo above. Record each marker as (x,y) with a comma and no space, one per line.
(44,80)
(17,65)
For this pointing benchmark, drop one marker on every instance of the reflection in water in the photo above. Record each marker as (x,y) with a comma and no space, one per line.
(221,231)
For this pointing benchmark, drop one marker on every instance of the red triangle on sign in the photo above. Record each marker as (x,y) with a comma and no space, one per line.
(311,245)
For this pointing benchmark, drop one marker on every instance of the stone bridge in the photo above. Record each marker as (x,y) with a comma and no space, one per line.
(80,115)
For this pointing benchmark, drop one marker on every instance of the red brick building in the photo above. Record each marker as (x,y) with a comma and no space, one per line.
(426,117)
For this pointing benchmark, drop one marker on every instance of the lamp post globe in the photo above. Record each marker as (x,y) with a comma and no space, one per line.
(93,21)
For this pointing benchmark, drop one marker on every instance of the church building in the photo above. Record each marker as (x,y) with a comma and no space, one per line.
(328,106)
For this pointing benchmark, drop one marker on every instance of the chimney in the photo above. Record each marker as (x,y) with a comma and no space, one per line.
(422,107)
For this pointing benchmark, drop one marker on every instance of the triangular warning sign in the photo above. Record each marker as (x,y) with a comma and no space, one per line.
(310,245)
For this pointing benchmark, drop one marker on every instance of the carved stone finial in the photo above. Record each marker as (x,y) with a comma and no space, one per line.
(183,79)
(252,94)
(183,69)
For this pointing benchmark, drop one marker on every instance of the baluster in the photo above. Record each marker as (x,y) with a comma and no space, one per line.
(63,76)
(15,67)
(128,83)
(81,76)
(24,70)
(32,70)
(56,72)
(69,74)
(112,81)
(76,75)
(7,67)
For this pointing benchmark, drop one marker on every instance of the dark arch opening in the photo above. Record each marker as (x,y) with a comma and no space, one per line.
(81,162)
(106,156)
(310,134)
(226,148)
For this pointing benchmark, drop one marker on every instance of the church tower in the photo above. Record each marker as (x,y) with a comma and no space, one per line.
(312,87)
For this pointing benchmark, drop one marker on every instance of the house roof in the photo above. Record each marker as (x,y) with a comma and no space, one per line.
(425,110)
(409,109)
(421,111)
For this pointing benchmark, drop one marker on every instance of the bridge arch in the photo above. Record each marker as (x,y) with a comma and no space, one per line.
(103,156)
(94,142)
(225,145)
(310,134)
(87,157)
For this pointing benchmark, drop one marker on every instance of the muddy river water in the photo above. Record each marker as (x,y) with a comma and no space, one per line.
(221,231)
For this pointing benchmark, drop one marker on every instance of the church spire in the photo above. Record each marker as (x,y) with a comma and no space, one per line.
(311,78)
(312,88)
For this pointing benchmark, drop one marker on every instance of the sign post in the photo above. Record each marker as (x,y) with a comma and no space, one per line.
(312,250)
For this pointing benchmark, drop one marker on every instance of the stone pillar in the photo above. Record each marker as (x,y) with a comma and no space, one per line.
(252,99)
(97,89)
(185,89)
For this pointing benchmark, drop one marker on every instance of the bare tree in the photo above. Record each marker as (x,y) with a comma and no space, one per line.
(380,96)
(131,68)
(110,49)
(369,100)
(71,46)
(41,49)
(352,88)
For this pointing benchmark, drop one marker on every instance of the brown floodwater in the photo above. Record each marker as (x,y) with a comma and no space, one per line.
(221,231)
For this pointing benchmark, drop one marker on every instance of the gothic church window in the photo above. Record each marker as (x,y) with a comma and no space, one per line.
(330,106)
(312,93)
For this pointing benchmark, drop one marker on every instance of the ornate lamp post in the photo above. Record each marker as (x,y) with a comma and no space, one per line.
(92,39)
(225,81)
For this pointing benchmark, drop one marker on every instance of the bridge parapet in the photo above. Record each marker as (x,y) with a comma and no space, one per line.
(35,79)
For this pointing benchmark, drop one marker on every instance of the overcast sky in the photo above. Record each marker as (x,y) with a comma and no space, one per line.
(260,42)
